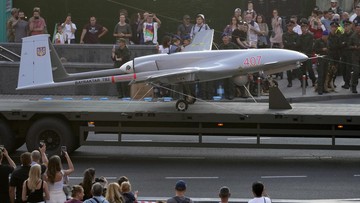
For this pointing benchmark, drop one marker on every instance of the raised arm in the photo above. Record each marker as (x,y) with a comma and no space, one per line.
(70,164)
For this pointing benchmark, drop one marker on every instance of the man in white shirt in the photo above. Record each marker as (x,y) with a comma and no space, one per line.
(260,195)
(253,32)
(69,29)
(297,27)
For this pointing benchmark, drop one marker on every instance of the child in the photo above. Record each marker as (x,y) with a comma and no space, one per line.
(60,37)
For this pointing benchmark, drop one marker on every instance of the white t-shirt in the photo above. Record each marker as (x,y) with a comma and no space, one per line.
(150,32)
(163,50)
(260,200)
(67,30)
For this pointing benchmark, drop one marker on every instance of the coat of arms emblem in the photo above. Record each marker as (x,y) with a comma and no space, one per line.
(40,51)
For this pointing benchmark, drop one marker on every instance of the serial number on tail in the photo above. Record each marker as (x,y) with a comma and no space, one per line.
(252,61)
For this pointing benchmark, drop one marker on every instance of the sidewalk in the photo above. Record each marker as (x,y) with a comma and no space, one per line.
(295,94)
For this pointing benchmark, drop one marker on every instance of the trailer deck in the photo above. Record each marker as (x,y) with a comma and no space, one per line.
(304,120)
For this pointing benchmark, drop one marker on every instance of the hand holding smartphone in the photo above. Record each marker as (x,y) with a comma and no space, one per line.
(63,150)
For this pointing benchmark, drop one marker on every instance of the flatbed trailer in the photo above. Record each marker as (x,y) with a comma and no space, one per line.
(68,122)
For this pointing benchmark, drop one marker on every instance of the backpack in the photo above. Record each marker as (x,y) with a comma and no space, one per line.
(178,200)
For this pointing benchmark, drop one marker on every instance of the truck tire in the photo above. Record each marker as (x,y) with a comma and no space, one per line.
(7,136)
(55,132)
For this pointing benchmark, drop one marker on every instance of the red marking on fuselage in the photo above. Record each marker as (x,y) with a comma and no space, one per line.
(112,79)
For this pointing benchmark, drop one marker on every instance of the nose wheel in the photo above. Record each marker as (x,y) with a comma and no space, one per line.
(182,105)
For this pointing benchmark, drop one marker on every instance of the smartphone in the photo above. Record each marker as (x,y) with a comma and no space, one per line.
(2,147)
(63,149)
(41,143)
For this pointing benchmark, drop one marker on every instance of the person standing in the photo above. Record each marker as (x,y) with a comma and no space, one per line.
(321,49)
(346,53)
(276,36)
(34,188)
(253,31)
(69,28)
(224,194)
(305,45)
(334,7)
(354,45)
(122,30)
(260,195)
(5,171)
(121,56)
(21,27)
(199,26)
(10,32)
(184,28)
(180,189)
(92,32)
(150,29)
(263,39)
(97,192)
(77,194)
(334,46)
(55,178)
(290,39)
(18,177)
(37,24)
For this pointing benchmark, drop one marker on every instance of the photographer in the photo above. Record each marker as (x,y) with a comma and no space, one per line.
(5,170)
(37,24)
(56,175)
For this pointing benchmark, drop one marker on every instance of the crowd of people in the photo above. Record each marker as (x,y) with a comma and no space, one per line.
(332,34)
(39,179)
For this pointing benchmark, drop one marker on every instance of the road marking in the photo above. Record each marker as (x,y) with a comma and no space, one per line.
(80,178)
(180,157)
(247,138)
(267,177)
(307,157)
(128,140)
(357,175)
(185,177)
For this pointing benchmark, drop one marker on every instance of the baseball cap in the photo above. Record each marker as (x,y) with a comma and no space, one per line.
(200,15)
(180,185)
(335,24)
(224,191)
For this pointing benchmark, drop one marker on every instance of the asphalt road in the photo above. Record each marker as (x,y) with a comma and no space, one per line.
(287,174)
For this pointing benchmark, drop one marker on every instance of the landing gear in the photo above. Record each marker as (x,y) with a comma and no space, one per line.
(191,99)
(182,105)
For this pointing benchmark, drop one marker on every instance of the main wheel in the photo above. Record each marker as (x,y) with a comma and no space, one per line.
(182,105)
(190,99)
(7,136)
(55,132)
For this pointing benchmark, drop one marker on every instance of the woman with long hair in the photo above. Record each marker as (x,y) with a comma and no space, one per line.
(55,178)
(113,194)
(88,180)
(264,32)
(34,187)
(277,32)
(77,194)
(231,27)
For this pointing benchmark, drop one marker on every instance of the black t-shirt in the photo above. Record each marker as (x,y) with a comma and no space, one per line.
(92,33)
(238,34)
(17,179)
(5,171)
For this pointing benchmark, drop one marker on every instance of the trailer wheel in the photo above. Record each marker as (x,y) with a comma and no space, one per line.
(55,132)
(7,136)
